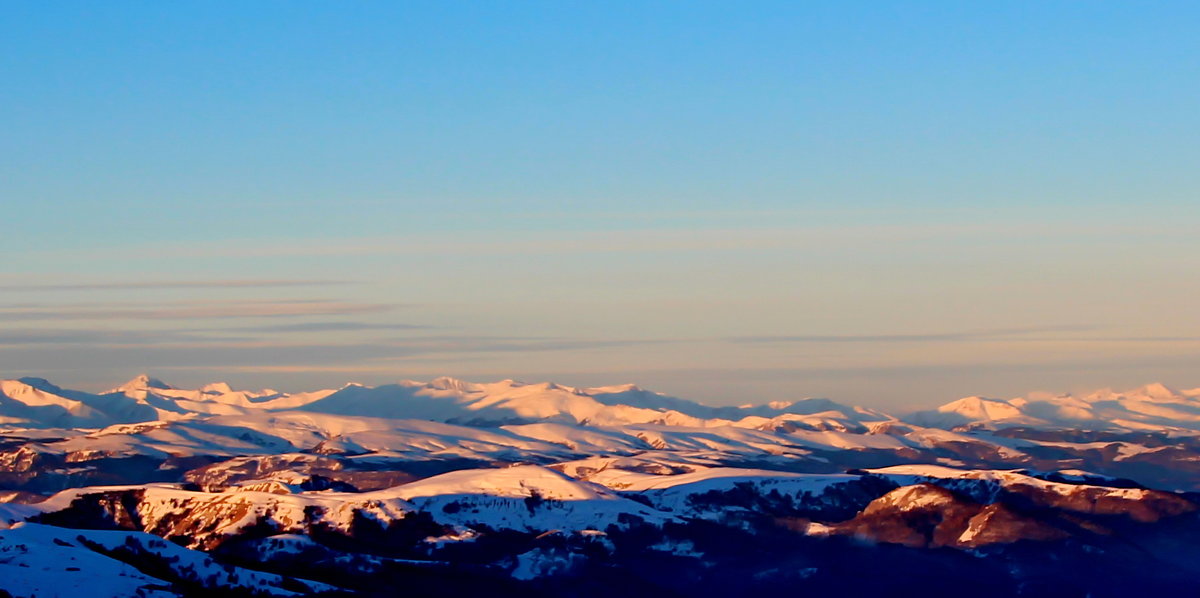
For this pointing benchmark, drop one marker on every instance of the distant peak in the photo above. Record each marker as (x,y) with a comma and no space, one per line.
(1156,390)
(616,389)
(981,408)
(143,382)
(217,388)
(973,400)
(39,383)
(448,383)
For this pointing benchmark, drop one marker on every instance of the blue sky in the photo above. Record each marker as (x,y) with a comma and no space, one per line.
(889,204)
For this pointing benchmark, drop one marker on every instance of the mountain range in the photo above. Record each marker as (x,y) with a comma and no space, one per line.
(37,403)
(451,487)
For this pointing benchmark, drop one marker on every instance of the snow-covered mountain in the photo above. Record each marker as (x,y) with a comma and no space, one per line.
(539,524)
(1153,407)
(1149,434)
(37,403)
(450,487)
(34,402)
(53,562)
(509,401)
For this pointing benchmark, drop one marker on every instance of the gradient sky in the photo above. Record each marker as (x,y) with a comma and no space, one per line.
(891,204)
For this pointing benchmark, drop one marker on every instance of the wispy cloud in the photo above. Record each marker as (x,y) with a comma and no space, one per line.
(170,284)
(117,352)
(106,338)
(1008,334)
(189,311)
(329,327)
(452,344)
(793,232)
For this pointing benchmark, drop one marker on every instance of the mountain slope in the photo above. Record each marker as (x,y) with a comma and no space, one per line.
(1150,407)
(46,561)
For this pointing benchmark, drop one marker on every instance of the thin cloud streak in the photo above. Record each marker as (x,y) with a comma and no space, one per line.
(214,310)
(162,336)
(499,344)
(913,369)
(178,284)
(258,353)
(329,327)
(634,240)
(106,338)
(1008,334)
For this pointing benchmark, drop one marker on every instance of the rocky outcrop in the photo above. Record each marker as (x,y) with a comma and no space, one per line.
(930,516)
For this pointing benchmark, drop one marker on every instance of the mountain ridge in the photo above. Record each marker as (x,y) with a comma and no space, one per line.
(37,402)
(543,483)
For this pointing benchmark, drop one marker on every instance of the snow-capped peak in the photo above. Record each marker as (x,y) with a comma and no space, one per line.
(981,408)
(448,383)
(1152,406)
(1156,391)
(41,384)
(141,382)
(216,388)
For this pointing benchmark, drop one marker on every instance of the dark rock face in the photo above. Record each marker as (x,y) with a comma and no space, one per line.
(926,515)
(222,475)
(105,510)
(1142,505)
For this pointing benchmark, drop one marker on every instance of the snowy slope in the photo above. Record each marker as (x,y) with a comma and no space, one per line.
(54,562)
(33,402)
(37,403)
(1153,407)
(529,498)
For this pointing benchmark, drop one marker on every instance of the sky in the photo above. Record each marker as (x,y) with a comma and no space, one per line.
(889,204)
